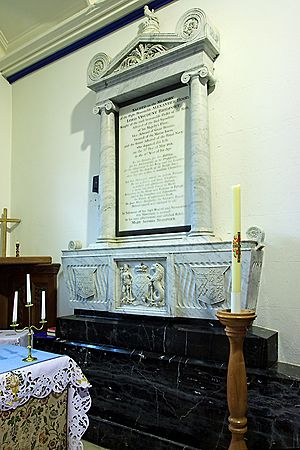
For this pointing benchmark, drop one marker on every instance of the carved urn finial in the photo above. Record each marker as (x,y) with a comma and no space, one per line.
(151,22)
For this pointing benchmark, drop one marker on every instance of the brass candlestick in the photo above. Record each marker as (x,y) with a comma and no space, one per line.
(237,396)
(30,334)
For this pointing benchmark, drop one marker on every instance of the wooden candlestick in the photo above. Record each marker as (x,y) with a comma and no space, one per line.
(237,397)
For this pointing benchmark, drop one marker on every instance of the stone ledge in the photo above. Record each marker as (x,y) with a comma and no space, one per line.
(184,337)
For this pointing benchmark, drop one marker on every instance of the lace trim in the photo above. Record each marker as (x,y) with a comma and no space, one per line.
(39,380)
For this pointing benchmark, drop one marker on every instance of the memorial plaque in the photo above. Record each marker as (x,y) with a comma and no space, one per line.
(152,160)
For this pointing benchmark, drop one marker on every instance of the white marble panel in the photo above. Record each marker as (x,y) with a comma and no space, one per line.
(152,150)
(176,274)
(178,196)
(191,280)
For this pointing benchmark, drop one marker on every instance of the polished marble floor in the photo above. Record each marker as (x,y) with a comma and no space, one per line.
(89,446)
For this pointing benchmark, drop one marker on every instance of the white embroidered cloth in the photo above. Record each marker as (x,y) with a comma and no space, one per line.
(11,337)
(51,373)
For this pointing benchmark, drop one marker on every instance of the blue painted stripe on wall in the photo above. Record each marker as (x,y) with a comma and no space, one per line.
(129,18)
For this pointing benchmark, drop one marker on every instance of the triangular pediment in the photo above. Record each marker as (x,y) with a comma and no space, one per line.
(150,44)
(140,50)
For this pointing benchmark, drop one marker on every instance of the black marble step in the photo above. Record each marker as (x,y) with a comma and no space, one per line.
(179,401)
(146,394)
(119,437)
(185,337)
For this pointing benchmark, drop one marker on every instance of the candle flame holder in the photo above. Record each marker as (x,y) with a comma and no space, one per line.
(30,333)
(236,325)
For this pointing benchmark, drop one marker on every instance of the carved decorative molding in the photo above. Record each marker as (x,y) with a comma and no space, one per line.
(101,283)
(140,53)
(256,234)
(191,24)
(97,66)
(182,283)
(193,34)
(204,74)
(194,25)
(74,245)
(108,106)
(255,276)
(3,43)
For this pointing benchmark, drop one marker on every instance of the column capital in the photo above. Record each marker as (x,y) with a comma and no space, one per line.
(107,107)
(203,74)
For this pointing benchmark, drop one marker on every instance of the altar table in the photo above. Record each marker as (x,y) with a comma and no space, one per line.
(43,404)
(11,337)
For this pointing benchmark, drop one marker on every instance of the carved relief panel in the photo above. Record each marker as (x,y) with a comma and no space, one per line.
(87,283)
(201,286)
(190,283)
(140,284)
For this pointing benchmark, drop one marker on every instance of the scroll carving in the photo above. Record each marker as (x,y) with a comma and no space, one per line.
(256,234)
(108,106)
(97,66)
(204,74)
(191,24)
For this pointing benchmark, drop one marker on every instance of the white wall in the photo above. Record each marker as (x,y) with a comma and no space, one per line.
(5,148)
(254,137)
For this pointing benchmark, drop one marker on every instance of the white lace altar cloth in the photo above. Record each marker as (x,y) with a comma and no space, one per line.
(19,381)
(11,337)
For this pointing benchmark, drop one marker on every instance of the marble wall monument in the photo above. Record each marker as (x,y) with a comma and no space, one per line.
(156,253)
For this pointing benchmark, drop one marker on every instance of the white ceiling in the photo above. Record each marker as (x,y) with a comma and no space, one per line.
(33,29)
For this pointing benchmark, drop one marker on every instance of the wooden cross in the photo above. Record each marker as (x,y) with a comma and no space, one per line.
(4,220)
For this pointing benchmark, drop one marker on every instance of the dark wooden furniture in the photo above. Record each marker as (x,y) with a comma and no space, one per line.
(43,276)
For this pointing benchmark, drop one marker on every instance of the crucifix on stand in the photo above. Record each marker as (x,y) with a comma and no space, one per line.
(4,220)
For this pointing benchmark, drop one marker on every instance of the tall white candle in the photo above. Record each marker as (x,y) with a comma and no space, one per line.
(43,309)
(236,250)
(15,310)
(28,290)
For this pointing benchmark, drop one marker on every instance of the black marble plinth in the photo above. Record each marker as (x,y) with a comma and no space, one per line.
(120,437)
(153,389)
(189,338)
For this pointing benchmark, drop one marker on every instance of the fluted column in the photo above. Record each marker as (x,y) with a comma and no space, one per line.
(107,177)
(201,82)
